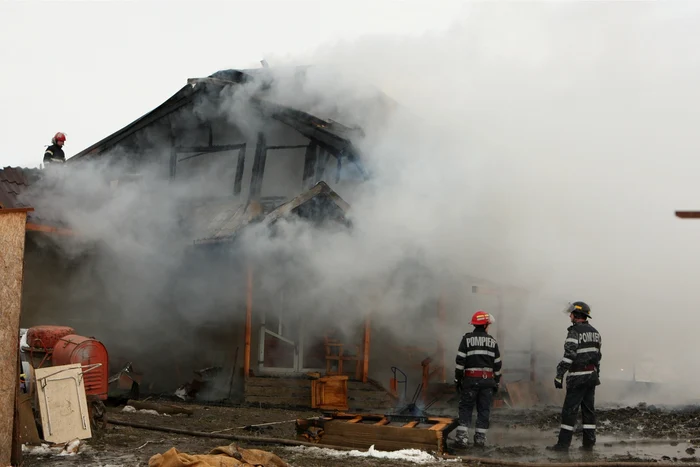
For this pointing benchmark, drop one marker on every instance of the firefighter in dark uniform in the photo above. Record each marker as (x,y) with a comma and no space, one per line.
(581,360)
(477,376)
(54,153)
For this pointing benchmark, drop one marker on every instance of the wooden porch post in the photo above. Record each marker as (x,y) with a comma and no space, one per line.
(248,321)
(12,233)
(365,350)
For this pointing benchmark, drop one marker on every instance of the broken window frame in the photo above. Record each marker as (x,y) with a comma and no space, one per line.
(198,151)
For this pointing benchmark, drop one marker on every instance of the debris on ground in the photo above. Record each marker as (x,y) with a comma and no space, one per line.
(203,378)
(160,408)
(71,448)
(132,409)
(516,435)
(125,384)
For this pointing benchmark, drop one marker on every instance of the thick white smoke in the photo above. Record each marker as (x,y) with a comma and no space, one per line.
(539,146)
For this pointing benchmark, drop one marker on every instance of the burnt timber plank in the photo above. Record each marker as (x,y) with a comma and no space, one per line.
(339,431)
(382,437)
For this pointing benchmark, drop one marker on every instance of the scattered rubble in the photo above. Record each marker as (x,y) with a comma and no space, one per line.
(126,383)
(203,379)
(518,435)
(641,421)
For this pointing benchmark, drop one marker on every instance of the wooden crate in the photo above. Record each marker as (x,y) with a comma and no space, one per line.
(385,432)
(330,393)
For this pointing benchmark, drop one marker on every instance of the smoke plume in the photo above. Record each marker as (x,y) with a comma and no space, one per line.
(540,147)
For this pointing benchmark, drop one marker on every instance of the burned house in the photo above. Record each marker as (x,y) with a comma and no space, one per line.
(228,159)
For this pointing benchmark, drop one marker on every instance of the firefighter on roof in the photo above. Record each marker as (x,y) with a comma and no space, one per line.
(54,153)
(582,361)
(477,376)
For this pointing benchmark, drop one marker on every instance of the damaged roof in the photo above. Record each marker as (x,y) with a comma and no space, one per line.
(317,203)
(332,135)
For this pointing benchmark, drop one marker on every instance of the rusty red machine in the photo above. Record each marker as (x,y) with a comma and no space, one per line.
(44,346)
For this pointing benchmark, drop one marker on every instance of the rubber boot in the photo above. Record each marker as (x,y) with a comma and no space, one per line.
(462,437)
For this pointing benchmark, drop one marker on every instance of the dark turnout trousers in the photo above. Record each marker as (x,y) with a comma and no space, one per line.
(581,396)
(476,393)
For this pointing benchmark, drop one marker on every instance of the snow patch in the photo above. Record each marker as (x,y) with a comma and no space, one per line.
(132,409)
(42,450)
(410,455)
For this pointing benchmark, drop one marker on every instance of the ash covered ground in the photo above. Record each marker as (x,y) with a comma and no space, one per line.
(640,433)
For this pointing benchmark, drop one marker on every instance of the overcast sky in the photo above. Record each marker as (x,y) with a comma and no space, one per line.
(89,68)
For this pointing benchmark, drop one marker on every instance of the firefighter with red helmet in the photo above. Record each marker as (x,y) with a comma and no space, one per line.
(54,153)
(477,377)
(581,360)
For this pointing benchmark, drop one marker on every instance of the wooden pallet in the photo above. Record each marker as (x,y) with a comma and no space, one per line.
(385,432)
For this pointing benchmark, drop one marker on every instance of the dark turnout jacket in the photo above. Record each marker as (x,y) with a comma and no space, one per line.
(54,152)
(582,356)
(478,354)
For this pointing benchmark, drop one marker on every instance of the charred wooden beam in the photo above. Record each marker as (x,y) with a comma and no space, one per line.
(206,149)
(296,146)
(240,166)
(338,169)
(321,161)
(688,214)
(173,164)
(248,321)
(364,430)
(258,168)
(309,166)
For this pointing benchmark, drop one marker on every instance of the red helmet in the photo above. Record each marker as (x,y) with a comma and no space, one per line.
(59,137)
(481,318)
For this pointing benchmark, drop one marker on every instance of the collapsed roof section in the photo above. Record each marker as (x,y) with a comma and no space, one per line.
(318,204)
